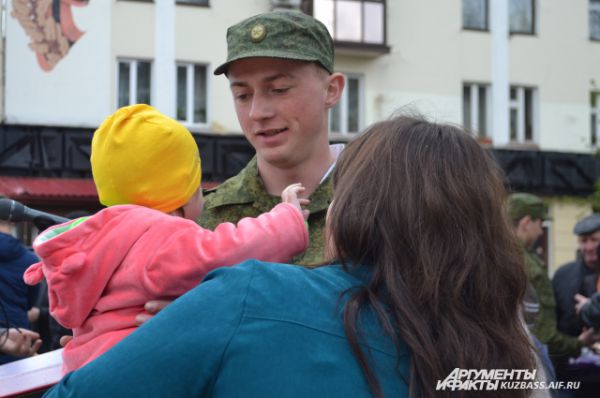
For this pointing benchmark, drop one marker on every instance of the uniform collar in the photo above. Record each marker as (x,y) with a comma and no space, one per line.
(247,187)
(241,189)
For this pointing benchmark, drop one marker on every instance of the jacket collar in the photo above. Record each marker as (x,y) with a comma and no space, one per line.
(247,187)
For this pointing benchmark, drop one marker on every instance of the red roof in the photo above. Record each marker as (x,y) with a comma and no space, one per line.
(32,190)
(49,190)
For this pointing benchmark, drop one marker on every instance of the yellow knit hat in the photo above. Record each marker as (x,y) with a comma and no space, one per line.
(142,157)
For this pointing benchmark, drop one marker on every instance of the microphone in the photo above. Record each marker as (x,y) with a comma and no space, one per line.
(11,210)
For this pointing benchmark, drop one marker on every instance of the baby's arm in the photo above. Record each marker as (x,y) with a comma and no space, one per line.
(187,252)
(290,195)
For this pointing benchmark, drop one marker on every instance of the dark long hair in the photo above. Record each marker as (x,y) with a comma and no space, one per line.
(423,205)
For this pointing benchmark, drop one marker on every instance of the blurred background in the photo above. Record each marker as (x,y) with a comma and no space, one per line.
(522,75)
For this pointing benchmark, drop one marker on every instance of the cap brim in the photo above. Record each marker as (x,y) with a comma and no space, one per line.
(221,69)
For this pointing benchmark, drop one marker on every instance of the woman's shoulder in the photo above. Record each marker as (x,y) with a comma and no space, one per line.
(274,289)
(290,280)
(294,295)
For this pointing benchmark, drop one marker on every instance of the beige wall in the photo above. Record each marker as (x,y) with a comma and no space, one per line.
(561,61)
(132,36)
(432,56)
(565,214)
(201,37)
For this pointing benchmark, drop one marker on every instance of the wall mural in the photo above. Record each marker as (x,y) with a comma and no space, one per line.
(50,26)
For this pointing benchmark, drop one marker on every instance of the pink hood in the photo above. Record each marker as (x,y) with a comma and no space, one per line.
(103,269)
(78,263)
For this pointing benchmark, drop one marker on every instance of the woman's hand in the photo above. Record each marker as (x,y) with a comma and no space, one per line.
(152,308)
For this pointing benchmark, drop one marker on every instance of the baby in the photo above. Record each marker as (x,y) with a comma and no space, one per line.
(146,245)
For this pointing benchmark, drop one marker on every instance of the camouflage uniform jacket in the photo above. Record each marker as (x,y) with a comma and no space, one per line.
(545,326)
(245,196)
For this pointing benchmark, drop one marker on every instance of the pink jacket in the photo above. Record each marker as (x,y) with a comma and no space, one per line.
(102,272)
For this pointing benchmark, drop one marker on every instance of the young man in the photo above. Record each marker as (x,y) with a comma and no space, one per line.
(280,70)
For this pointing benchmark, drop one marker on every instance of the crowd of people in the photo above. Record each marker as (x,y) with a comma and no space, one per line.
(374,269)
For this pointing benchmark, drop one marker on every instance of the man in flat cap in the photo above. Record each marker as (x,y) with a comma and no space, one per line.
(280,70)
(527,212)
(579,276)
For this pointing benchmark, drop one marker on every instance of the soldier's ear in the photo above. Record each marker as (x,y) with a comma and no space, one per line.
(524,223)
(335,87)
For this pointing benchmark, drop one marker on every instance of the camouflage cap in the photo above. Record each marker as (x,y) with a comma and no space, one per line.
(279,34)
(526,204)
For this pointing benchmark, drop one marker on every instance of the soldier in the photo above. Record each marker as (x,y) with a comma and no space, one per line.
(527,213)
(280,70)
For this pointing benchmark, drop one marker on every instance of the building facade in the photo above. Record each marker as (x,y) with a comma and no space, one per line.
(68,64)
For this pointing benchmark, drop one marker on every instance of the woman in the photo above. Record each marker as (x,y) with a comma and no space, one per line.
(427,278)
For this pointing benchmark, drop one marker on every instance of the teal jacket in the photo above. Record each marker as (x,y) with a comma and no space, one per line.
(252,330)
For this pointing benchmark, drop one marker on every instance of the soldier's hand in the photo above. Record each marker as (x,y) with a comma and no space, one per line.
(152,308)
(290,195)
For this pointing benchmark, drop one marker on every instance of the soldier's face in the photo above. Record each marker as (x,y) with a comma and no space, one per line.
(588,245)
(282,107)
(533,231)
(193,208)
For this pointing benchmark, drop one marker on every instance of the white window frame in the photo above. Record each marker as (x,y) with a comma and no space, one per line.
(595,111)
(487,17)
(518,104)
(534,20)
(189,120)
(203,3)
(133,67)
(474,107)
(594,5)
(331,20)
(343,104)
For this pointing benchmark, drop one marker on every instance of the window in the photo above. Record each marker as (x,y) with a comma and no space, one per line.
(521,16)
(193,2)
(595,117)
(192,93)
(595,19)
(133,82)
(522,109)
(358,21)
(475,14)
(476,109)
(346,116)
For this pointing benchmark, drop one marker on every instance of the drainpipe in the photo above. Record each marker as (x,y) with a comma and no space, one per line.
(500,72)
(164,57)
(3,64)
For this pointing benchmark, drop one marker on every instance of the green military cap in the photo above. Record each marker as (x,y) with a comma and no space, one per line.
(526,204)
(279,34)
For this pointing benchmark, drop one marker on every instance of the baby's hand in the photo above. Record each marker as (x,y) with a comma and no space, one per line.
(290,195)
